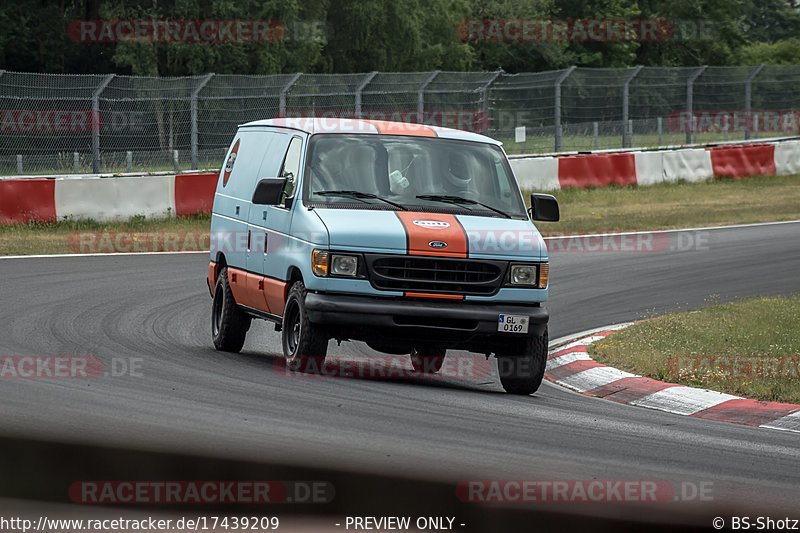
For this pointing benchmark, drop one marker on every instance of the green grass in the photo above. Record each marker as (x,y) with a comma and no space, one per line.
(748,348)
(64,236)
(607,209)
(676,205)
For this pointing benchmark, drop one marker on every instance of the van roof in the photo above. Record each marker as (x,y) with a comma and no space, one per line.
(314,125)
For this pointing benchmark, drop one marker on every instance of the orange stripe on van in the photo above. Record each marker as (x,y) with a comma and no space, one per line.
(213,272)
(275,295)
(432,295)
(423,229)
(257,291)
(402,128)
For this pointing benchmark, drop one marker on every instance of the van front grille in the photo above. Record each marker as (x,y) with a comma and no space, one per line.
(435,274)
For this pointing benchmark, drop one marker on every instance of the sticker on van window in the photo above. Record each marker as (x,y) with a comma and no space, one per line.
(229,164)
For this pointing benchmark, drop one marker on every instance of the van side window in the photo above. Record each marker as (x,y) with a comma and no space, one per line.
(291,165)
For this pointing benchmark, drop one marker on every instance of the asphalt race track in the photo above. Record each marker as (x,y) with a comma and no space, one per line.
(153,310)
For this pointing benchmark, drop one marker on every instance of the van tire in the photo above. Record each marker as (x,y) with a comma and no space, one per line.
(522,373)
(229,324)
(305,345)
(427,359)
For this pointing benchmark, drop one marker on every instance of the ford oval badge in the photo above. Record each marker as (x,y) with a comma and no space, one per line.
(437,244)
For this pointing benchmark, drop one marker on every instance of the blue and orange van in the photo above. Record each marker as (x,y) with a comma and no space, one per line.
(414,239)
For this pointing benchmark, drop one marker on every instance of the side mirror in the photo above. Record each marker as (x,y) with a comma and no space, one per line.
(269,191)
(544,207)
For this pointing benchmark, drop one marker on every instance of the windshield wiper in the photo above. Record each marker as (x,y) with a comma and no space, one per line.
(359,194)
(452,199)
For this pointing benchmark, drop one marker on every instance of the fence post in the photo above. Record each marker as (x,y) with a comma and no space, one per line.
(596,134)
(129,160)
(76,162)
(626,140)
(282,95)
(689,102)
(557,107)
(364,83)
(19,164)
(96,123)
(484,90)
(660,128)
(747,97)
(421,95)
(193,107)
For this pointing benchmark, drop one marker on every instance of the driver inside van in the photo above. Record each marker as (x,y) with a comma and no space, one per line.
(458,180)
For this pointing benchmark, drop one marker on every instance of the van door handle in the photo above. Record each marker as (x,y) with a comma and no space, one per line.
(248,240)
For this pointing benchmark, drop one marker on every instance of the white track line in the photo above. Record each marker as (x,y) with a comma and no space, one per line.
(733,226)
(677,230)
(102,254)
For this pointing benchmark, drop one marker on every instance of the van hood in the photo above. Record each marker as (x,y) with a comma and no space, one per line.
(433,234)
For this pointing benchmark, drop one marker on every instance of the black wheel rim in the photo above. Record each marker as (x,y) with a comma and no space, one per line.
(216,312)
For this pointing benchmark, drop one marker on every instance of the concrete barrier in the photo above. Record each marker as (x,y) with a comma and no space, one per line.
(787,158)
(649,167)
(536,173)
(107,199)
(691,164)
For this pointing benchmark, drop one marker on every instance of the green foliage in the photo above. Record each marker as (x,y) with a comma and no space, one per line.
(786,52)
(398,35)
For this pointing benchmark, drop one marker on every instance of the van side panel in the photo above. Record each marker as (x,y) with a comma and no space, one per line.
(264,220)
(232,198)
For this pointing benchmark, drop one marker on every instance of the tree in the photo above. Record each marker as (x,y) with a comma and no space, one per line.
(404,35)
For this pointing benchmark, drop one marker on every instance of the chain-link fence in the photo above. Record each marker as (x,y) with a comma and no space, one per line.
(108,123)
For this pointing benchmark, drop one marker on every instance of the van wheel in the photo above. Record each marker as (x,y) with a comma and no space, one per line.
(229,324)
(523,373)
(427,359)
(304,344)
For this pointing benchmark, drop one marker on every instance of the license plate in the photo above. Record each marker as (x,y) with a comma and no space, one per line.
(512,323)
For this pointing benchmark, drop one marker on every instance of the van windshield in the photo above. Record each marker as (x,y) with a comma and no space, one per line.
(413,173)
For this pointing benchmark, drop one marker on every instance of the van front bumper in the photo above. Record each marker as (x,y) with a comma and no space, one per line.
(406,320)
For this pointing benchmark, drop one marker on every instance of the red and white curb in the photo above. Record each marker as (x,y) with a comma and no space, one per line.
(570,365)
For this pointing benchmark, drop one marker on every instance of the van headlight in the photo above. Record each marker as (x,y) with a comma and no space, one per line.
(344,265)
(527,275)
(523,275)
(324,263)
